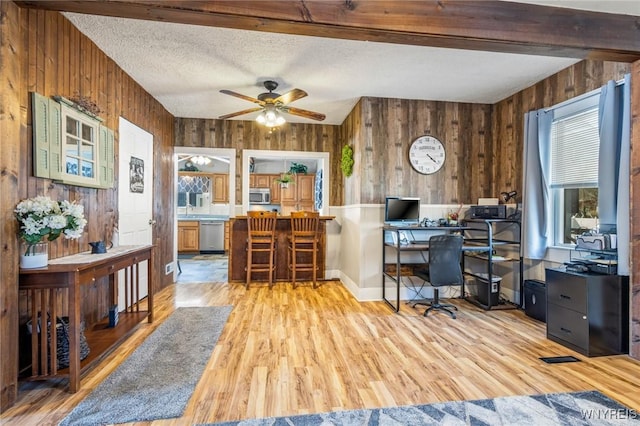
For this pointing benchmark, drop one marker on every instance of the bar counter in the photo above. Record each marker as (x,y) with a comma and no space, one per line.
(238,251)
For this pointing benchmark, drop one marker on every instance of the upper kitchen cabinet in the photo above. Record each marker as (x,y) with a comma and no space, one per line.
(298,195)
(71,145)
(220,188)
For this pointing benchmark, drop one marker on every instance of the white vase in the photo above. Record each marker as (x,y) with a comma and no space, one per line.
(34,255)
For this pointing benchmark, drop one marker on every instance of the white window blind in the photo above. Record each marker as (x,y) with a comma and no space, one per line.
(575,143)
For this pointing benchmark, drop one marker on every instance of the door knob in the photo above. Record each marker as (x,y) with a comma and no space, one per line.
(152,222)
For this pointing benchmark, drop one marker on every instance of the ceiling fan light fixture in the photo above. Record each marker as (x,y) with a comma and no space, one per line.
(200,160)
(270,117)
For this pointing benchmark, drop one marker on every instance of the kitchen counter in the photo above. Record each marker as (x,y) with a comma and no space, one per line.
(202,233)
(238,250)
(198,217)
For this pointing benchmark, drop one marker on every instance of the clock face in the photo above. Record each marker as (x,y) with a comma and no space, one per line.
(426,154)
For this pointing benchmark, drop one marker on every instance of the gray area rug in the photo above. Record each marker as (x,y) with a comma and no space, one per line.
(576,408)
(158,378)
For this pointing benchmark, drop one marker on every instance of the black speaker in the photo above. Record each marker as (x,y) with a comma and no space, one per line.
(535,299)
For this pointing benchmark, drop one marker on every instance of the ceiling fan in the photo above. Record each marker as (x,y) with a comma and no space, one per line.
(272,104)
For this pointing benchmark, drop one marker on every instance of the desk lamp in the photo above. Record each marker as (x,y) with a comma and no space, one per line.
(509,196)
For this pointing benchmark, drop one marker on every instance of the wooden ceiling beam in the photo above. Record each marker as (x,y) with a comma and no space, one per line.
(498,26)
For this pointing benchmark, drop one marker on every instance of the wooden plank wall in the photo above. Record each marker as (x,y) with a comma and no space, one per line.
(10,159)
(508,119)
(211,133)
(351,134)
(47,54)
(382,130)
(635,211)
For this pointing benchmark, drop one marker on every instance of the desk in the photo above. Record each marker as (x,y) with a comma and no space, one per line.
(480,242)
(71,273)
(392,236)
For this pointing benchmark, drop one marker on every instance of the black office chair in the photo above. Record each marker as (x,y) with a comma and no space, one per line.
(443,269)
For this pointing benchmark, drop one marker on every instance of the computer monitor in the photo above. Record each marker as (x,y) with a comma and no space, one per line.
(402,211)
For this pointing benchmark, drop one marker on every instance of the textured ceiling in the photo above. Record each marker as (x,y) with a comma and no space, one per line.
(185,66)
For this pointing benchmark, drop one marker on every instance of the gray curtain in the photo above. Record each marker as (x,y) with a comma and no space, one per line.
(536,214)
(613,165)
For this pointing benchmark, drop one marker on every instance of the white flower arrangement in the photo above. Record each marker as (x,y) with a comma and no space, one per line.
(41,217)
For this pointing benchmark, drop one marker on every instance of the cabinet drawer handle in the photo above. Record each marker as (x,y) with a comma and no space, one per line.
(562,296)
(565,330)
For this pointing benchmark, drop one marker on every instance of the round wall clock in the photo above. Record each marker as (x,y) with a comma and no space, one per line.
(426,154)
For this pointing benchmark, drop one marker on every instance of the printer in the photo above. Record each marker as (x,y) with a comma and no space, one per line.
(497,211)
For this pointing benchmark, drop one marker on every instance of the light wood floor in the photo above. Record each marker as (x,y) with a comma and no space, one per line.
(301,351)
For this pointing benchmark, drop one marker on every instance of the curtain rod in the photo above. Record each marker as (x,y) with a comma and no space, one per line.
(581,97)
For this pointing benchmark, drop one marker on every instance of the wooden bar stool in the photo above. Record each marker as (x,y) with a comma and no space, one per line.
(262,239)
(303,239)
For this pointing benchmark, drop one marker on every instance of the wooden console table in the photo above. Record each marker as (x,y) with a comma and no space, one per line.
(71,273)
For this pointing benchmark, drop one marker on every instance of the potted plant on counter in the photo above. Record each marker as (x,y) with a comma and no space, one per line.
(286,179)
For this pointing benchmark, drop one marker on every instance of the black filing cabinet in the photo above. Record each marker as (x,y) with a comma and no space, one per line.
(588,313)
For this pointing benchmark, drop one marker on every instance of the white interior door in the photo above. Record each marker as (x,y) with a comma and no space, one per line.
(135,197)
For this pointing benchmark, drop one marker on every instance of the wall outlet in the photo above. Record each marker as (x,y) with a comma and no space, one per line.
(168,268)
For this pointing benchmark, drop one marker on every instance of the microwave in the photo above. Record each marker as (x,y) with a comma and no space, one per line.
(259,196)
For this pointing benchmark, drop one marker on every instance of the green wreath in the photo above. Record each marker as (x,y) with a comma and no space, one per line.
(346,163)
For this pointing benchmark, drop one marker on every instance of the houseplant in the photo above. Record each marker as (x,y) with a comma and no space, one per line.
(297,168)
(286,179)
(346,161)
(42,218)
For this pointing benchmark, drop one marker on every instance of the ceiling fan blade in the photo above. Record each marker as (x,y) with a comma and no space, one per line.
(290,96)
(235,114)
(241,96)
(303,113)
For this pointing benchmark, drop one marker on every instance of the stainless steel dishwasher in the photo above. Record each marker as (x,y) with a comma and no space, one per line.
(212,235)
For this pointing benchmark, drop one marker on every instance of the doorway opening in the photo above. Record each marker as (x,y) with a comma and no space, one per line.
(204,194)
(270,162)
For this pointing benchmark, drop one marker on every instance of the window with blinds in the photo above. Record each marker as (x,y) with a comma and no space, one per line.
(575,145)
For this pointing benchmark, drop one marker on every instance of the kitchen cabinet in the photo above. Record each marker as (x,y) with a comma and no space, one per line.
(261,180)
(275,190)
(588,312)
(220,188)
(306,191)
(298,195)
(188,236)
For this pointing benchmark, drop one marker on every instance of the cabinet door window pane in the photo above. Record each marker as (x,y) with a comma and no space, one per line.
(72,126)
(87,133)
(81,146)
(72,166)
(88,151)
(71,148)
(87,169)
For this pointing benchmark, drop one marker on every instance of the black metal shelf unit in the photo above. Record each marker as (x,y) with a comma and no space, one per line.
(483,235)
